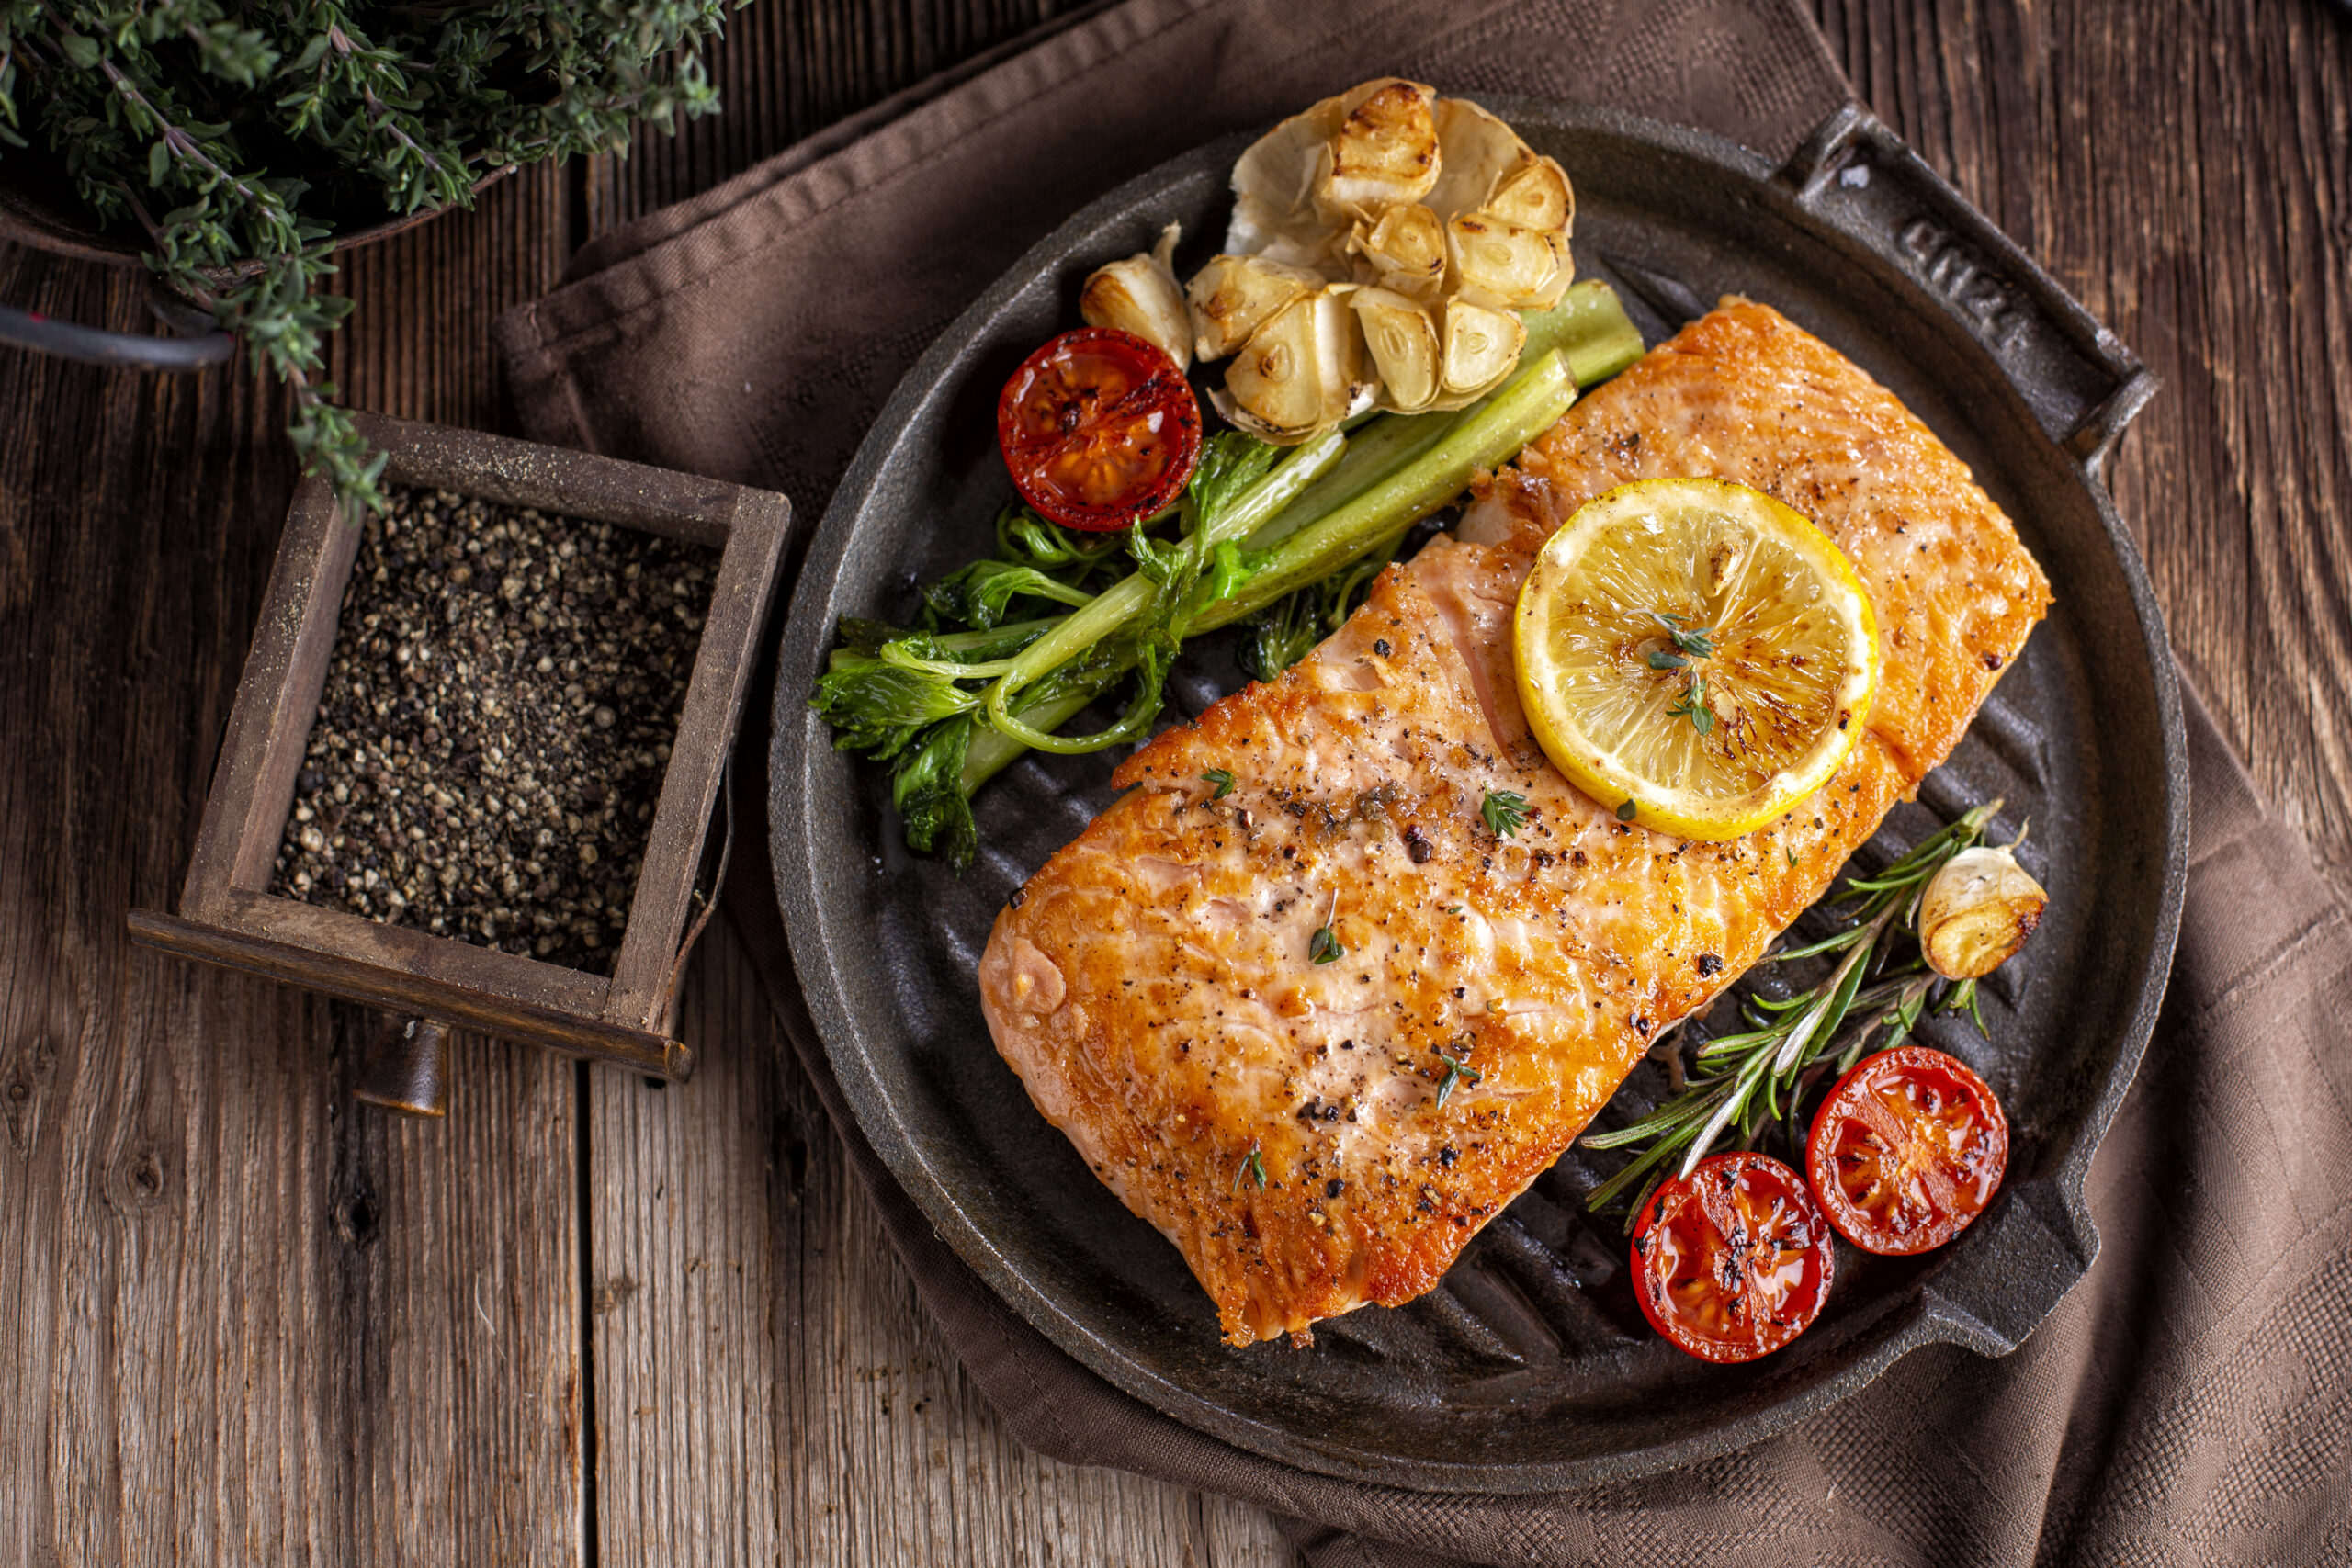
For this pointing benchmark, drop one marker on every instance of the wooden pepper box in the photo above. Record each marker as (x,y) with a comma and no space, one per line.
(227,914)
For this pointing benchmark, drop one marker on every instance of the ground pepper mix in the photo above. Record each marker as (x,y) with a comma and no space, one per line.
(497,721)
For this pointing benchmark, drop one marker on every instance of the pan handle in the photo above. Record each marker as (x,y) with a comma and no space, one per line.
(2082,383)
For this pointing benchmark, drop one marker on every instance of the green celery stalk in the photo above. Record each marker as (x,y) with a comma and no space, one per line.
(1528,405)
(1591,327)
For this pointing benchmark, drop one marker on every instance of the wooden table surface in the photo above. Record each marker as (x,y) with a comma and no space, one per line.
(589,1320)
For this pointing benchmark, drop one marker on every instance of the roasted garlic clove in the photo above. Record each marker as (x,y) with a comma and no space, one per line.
(1385,151)
(1234,296)
(1299,372)
(1499,264)
(1536,197)
(1140,295)
(1563,274)
(1481,346)
(1404,345)
(1977,911)
(1405,249)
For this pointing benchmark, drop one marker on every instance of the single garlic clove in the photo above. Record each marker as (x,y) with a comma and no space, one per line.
(1140,295)
(1404,345)
(1480,347)
(1977,911)
(1498,264)
(1300,371)
(1537,197)
(1405,249)
(1385,151)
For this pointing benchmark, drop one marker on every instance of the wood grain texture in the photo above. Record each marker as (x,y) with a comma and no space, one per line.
(245,1321)
(2185,170)
(787,69)
(767,1386)
(417,342)
(250,1322)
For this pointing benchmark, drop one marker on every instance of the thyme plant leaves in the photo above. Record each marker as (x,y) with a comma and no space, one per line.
(228,131)
(1503,811)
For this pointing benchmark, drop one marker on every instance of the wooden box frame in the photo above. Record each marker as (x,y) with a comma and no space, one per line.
(227,914)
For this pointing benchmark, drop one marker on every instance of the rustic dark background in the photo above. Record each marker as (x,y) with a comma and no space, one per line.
(587,1320)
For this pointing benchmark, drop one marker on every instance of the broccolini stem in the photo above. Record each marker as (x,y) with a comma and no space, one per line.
(1133,596)
(1399,456)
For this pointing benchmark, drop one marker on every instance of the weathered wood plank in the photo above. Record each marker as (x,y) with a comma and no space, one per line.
(246,1321)
(417,342)
(767,1385)
(787,70)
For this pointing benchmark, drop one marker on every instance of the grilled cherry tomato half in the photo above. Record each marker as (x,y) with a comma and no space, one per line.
(1099,429)
(1907,1149)
(1731,1261)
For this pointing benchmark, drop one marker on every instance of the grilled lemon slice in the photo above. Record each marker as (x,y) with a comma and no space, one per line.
(1695,655)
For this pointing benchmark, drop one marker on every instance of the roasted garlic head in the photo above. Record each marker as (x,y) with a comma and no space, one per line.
(1382,246)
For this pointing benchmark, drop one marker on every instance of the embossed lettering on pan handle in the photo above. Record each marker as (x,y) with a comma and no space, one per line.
(2082,383)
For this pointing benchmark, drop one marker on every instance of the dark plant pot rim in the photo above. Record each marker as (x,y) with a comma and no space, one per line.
(39,209)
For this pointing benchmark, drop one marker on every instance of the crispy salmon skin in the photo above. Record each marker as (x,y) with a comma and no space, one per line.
(1318,1121)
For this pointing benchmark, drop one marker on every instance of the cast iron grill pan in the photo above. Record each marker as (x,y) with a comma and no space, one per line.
(1529,1368)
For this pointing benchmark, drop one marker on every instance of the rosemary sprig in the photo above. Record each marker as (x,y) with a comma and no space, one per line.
(1743,1080)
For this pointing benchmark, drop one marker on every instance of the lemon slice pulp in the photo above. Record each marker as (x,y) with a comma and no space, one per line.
(1695,655)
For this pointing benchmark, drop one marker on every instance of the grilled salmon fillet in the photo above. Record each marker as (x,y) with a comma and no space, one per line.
(1314,1135)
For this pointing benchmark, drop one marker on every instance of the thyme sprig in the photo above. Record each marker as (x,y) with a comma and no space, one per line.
(1877,993)
(1457,1070)
(1690,643)
(1693,642)
(1504,811)
(1693,706)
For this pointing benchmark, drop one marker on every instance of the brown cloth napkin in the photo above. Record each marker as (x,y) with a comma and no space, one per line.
(2191,1402)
